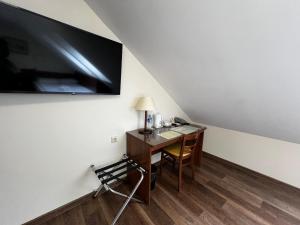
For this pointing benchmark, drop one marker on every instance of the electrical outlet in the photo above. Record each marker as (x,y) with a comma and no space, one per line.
(114,139)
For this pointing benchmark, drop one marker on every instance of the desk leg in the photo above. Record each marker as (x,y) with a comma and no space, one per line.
(139,151)
(198,155)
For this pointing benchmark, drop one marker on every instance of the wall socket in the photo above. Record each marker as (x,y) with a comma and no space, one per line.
(114,139)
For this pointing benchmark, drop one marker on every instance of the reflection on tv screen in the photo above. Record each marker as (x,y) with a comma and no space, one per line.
(40,55)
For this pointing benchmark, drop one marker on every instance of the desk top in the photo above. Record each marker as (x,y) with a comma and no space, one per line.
(154,139)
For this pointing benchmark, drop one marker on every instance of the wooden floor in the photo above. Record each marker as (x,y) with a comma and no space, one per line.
(222,193)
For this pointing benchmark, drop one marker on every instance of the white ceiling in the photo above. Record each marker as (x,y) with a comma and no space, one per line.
(233,64)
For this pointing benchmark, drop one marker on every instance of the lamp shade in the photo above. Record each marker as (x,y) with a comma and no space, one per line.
(145,104)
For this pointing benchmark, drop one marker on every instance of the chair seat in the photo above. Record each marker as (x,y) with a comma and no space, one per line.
(174,150)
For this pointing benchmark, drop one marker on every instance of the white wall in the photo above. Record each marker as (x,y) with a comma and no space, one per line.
(47,142)
(274,158)
(231,64)
(239,60)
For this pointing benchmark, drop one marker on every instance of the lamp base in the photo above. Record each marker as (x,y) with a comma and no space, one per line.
(145,131)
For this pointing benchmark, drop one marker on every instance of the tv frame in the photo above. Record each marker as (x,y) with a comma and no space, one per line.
(79,29)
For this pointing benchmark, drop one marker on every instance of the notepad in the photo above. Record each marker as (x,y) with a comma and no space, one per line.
(169,134)
(185,129)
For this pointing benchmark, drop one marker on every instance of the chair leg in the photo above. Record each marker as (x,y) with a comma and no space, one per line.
(193,166)
(179,176)
(193,170)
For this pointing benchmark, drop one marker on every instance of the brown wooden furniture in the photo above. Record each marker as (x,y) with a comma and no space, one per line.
(140,148)
(181,153)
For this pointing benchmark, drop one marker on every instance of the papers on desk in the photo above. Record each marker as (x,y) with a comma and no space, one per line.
(169,134)
(185,129)
(177,131)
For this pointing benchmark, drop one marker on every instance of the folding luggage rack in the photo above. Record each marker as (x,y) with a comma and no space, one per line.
(114,172)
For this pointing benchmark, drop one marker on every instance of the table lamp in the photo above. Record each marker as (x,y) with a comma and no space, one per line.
(145,104)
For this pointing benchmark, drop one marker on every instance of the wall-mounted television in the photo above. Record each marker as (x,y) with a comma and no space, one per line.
(41,55)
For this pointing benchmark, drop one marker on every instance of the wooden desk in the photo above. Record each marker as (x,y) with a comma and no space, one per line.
(140,148)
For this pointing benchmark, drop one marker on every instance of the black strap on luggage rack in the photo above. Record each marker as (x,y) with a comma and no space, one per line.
(113,172)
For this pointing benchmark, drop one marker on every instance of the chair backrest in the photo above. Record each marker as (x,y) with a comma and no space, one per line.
(189,142)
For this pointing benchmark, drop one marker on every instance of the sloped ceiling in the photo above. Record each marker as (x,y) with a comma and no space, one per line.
(233,64)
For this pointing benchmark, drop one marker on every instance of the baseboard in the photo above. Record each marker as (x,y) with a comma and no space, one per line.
(62,209)
(245,169)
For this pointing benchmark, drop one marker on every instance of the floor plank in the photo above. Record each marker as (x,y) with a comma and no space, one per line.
(221,194)
(74,217)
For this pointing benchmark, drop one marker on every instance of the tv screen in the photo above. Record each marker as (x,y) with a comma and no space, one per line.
(41,55)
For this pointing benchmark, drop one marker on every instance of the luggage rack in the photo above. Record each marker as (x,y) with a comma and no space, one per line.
(114,172)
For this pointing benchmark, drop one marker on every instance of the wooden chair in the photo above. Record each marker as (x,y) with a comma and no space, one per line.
(181,153)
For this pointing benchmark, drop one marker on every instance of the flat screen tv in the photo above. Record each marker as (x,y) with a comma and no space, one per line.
(41,55)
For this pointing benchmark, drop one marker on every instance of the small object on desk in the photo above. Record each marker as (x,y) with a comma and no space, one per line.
(157,120)
(185,129)
(169,134)
(167,123)
(176,124)
(150,120)
(181,121)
